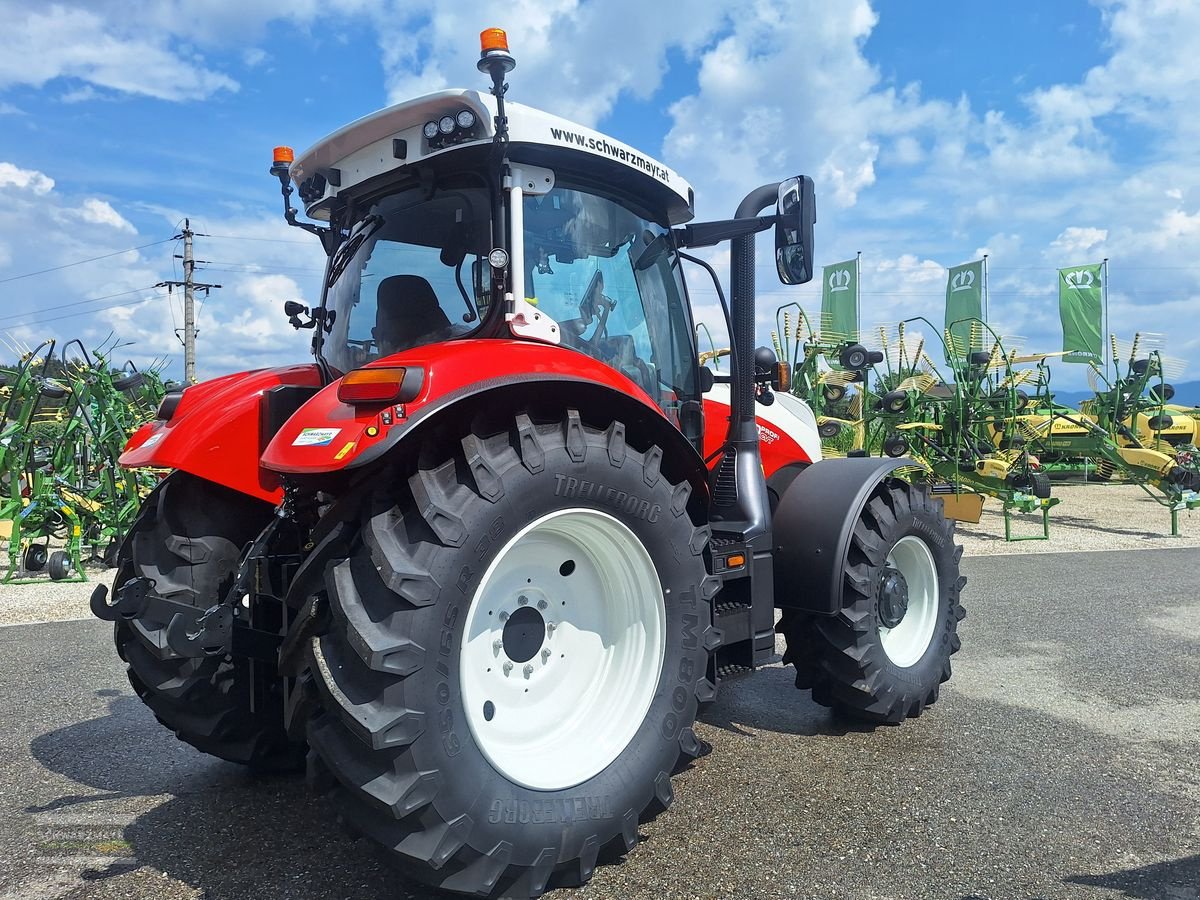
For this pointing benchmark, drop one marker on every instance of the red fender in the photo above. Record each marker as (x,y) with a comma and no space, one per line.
(215,431)
(327,435)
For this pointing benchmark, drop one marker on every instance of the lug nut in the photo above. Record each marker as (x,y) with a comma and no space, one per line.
(546,654)
(542,604)
(522,600)
(497,646)
(550,626)
(507,667)
(528,670)
(503,616)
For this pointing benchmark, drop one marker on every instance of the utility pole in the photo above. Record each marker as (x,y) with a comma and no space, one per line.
(190,286)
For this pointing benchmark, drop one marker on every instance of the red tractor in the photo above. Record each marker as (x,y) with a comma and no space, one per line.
(482,561)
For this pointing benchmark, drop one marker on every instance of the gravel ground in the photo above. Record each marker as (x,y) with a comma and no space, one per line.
(49,601)
(1090,517)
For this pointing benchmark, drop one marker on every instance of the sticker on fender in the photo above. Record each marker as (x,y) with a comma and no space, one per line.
(315,437)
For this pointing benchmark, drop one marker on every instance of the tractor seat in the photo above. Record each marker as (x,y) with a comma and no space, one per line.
(407,314)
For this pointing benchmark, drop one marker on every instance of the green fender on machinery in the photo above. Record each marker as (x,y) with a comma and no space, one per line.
(813,522)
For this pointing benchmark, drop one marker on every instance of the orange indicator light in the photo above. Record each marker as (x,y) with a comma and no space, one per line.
(284,155)
(493,39)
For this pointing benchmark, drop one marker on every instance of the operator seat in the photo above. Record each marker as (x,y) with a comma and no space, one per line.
(407,314)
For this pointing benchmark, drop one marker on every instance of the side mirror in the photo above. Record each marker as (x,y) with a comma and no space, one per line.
(796,213)
(707,379)
(294,309)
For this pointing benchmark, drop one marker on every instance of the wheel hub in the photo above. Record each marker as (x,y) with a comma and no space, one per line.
(523,635)
(563,649)
(893,598)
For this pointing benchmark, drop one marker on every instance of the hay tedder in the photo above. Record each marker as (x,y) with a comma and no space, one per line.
(483,559)
(954,424)
(65,421)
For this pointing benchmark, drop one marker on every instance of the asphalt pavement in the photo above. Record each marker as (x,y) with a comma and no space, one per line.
(1061,761)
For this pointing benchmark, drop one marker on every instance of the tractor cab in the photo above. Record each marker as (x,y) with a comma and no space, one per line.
(552,233)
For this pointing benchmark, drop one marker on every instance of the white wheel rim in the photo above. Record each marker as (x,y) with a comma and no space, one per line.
(907,641)
(559,717)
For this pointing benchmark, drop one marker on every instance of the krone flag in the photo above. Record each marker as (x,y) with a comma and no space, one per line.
(839,301)
(964,300)
(1081,307)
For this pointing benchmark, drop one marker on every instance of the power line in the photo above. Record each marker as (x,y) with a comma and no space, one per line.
(90,312)
(46,309)
(242,237)
(80,262)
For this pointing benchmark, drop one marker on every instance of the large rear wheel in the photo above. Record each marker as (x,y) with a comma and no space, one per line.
(883,657)
(517,647)
(187,539)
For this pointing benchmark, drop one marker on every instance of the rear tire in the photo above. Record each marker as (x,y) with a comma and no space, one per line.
(188,537)
(881,660)
(499,798)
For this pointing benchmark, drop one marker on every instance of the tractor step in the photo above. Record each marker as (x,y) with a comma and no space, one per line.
(744,609)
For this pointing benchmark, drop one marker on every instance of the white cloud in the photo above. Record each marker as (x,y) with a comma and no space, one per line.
(28,179)
(100,212)
(1075,240)
(41,43)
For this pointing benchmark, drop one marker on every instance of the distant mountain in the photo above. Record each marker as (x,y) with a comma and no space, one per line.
(1187,393)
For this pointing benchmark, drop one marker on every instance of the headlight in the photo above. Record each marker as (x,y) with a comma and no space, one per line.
(446,124)
(465,119)
(431,130)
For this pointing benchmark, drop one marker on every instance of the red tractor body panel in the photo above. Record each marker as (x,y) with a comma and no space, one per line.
(327,435)
(777,436)
(215,432)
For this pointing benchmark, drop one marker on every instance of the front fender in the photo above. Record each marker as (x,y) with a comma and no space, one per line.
(216,431)
(327,435)
(817,511)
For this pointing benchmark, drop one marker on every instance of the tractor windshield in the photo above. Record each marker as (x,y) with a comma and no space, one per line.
(611,281)
(412,272)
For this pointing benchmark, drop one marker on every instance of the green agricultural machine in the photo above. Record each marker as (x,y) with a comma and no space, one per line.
(65,422)
(895,401)
(1119,433)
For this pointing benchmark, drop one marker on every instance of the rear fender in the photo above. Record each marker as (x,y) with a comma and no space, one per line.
(218,430)
(328,436)
(813,522)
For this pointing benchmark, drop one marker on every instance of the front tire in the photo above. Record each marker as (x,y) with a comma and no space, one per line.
(483,762)
(883,657)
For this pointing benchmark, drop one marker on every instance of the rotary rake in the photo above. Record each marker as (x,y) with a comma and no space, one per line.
(1121,430)
(65,423)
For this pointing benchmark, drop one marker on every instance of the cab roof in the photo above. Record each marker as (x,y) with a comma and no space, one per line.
(392,139)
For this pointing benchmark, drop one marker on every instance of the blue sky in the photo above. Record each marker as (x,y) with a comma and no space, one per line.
(1043,134)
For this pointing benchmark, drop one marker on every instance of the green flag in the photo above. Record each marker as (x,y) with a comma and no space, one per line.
(839,301)
(1081,308)
(964,300)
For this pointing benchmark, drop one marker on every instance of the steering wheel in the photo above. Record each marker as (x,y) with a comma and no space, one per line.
(593,301)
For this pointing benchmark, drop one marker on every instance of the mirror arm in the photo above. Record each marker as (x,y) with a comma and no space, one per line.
(706,234)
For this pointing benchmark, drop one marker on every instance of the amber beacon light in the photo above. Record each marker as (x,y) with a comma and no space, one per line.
(493,39)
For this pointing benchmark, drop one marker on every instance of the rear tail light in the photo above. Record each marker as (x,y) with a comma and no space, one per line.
(391,384)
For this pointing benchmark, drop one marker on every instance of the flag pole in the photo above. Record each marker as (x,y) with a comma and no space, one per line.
(985,289)
(1104,340)
(857,294)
